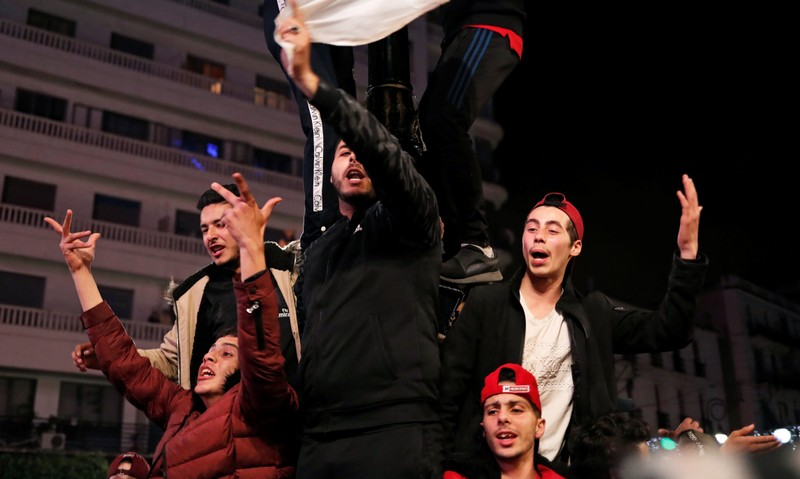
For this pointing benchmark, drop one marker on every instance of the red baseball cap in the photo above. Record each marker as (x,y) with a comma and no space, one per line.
(559,201)
(524,385)
(139,469)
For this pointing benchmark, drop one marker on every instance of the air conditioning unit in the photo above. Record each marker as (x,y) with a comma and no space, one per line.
(52,440)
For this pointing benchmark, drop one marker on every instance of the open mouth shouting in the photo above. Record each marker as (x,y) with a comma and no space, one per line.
(355,175)
(205,373)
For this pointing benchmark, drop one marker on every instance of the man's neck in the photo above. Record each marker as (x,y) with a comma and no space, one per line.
(541,294)
(519,468)
(346,209)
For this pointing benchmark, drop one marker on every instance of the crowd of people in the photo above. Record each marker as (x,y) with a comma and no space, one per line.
(322,359)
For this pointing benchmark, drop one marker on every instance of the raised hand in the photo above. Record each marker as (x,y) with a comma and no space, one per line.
(296,55)
(84,357)
(689,231)
(741,440)
(246,222)
(77,253)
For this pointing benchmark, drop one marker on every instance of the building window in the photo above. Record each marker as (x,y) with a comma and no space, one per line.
(126,125)
(269,84)
(132,46)
(90,403)
(272,93)
(99,406)
(655,360)
(23,290)
(121,300)
(269,160)
(205,67)
(759,366)
(29,193)
(40,104)
(203,144)
(116,210)
(50,22)
(699,366)
(662,417)
(187,223)
(677,362)
(16,397)
(16,408)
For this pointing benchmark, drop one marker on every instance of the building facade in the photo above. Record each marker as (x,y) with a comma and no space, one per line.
(742,368)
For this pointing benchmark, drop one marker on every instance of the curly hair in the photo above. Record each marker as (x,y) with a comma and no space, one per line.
(599,445)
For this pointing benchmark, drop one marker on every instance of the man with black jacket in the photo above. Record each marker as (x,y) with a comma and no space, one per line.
(368,290)
(566,339)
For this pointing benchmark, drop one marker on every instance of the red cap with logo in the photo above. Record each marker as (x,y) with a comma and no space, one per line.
(139,469)
(524,384)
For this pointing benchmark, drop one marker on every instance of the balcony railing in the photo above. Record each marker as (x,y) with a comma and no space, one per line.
(107,141)
(120,59)
(32,217)
(66,322)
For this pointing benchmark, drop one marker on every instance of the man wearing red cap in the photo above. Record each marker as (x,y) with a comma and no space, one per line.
(128,465)
(567,339)
(512,425)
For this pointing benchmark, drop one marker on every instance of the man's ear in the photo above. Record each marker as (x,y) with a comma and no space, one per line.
(577,247)
(539,432)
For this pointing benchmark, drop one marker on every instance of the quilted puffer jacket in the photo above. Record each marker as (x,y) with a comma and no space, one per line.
(248,433)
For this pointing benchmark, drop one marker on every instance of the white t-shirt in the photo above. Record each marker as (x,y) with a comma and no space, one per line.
(548,355)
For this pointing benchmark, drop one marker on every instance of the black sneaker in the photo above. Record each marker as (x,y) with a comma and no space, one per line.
(471,265)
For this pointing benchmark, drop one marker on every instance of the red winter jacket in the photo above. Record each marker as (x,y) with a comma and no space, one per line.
(248,433)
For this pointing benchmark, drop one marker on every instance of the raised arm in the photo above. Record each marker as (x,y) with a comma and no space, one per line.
(297,61)
(265,387)
(395,177)
(79,254)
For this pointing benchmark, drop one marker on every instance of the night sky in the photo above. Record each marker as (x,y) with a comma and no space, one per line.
(611,111)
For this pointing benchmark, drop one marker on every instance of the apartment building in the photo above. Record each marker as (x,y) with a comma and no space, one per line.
(125,112)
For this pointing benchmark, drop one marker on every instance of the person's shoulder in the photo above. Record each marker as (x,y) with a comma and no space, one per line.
(177,290)
(547,473)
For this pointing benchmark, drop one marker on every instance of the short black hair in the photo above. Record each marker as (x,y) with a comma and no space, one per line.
(232,331)
(211,197)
